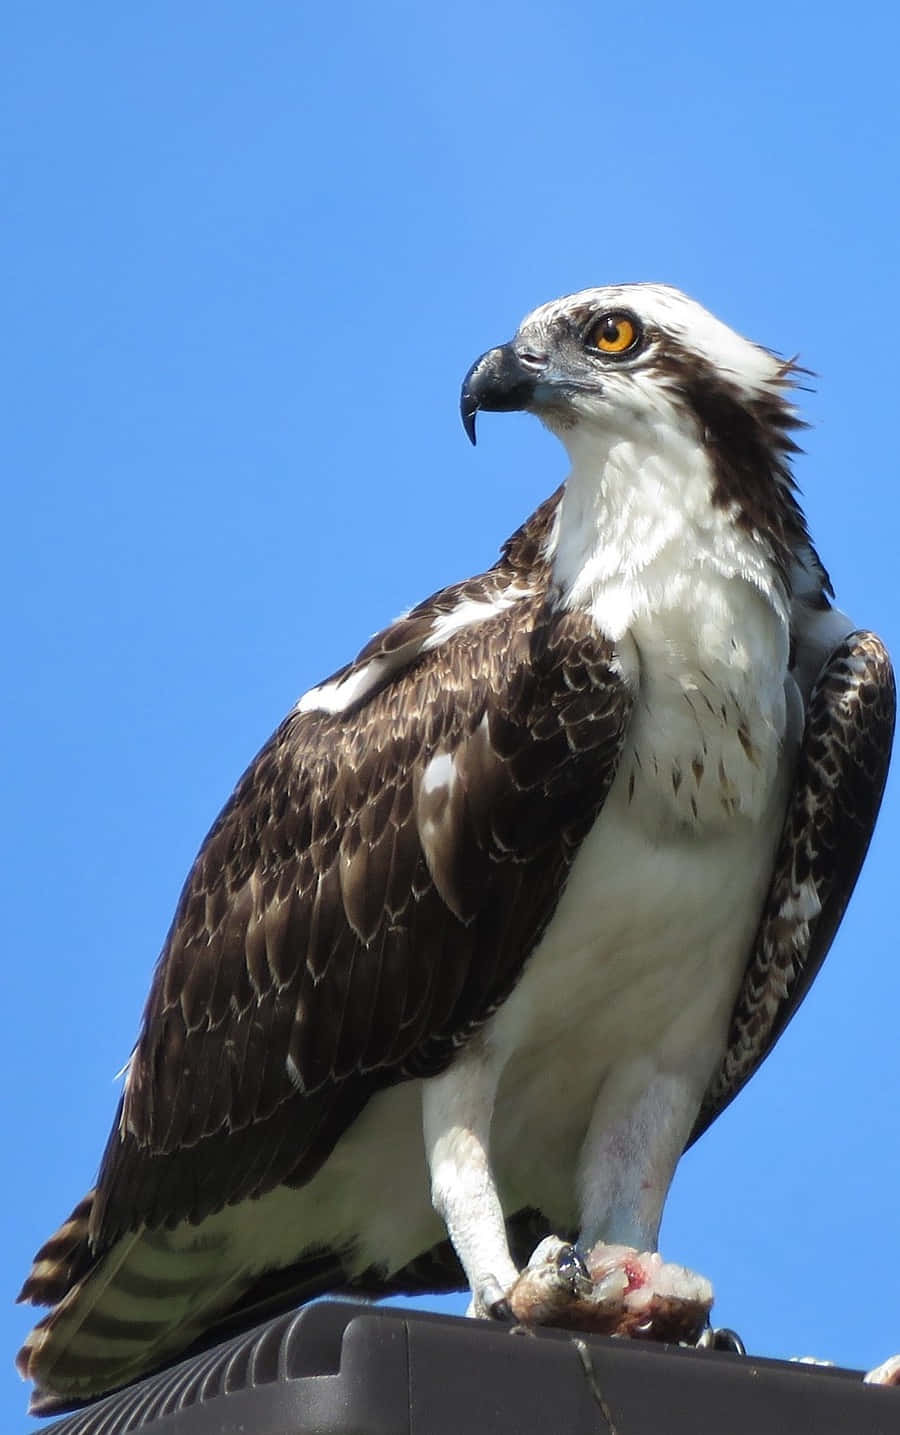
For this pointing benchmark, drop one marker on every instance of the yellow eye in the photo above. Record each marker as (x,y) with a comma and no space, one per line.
(615,333)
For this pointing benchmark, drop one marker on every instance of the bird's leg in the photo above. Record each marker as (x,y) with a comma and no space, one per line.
(456,1109)
(637,1134)
(629,1155)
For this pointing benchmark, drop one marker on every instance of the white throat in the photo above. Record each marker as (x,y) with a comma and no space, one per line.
(693,603)
(638,526)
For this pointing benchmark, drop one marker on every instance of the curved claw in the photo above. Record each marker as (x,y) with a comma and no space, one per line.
(726,1339)
(721,1338)
(494,1301)
(573,1271)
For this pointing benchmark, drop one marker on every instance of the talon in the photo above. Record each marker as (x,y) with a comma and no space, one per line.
(572,1270)
(493,1301)
(721,1338)
(727,1340)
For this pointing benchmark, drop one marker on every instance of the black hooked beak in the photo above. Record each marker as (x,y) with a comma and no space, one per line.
(500,381)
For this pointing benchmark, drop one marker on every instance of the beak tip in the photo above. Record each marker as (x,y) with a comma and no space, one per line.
(468,409)
(501,381)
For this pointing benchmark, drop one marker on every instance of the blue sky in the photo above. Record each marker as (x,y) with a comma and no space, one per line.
(250,251)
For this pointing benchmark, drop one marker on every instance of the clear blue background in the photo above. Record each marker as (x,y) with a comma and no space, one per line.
(249,252)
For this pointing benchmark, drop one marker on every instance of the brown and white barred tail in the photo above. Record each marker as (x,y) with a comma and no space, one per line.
(114,1319)
(59,1262)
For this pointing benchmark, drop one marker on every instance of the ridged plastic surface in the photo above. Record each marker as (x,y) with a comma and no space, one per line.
(278,1352)
(337,1368)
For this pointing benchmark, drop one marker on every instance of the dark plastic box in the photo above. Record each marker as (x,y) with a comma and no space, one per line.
(341,1368)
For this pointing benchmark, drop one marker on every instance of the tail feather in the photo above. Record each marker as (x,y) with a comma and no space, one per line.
(148,1297)
(62,1260)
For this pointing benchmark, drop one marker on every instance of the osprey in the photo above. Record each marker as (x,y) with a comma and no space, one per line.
(509,908)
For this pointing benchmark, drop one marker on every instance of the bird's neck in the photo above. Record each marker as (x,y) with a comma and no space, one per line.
(639,529)
(700,621)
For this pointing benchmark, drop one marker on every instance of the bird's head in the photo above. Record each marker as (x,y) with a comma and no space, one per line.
(629,358)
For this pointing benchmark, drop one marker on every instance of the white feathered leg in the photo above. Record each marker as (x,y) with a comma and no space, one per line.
(456,1109)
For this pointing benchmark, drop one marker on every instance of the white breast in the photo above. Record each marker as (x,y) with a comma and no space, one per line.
(710,722)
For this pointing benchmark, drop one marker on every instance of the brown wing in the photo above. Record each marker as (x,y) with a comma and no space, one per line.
(366,899)
(841,771)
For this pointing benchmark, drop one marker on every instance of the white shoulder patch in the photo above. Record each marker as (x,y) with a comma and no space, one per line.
(336,697)
(469,612)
